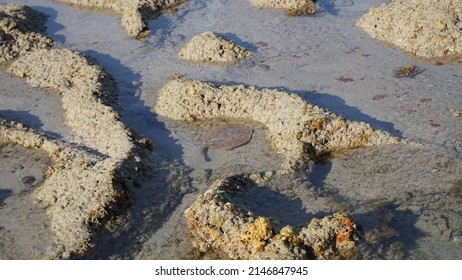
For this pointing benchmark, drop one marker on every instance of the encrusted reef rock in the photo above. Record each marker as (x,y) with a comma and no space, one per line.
(297,129)
(290,7)
(21,30)
(211,48)
(423,28)
(89,96)
(221,219)
(85,187)
(135,14)
(80,190)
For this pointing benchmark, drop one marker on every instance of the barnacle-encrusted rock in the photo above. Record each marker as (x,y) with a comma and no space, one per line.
(209,47)
(135,14)
(290,7)
(84,187)
(89,96)
(297,129)
(423,28)
(79,189)
(21,30)
(332,237)
(221,219)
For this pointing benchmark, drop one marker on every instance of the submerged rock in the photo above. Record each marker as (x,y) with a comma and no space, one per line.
(423,28)
(135,14)
(22,29)
(221,219)
(290,7)
(211,48)
(28,180)
(297,129)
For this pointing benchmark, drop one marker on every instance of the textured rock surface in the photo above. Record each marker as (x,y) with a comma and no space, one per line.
(290,7)
(135,14)
(88,95)
(21,30)
(79,188)
(297,129)
(209,47)
(423,28)
(221,219)
(84,187)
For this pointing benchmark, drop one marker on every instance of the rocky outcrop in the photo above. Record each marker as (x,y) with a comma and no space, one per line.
(80,197)
(221,219)
(290,7)
(297,129)
(422,28)
(210,48)
(85,187)
(89,96)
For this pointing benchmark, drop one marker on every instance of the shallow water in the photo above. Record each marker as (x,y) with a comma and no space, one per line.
(255,156)
(41,109)
(407,198)
(24,228)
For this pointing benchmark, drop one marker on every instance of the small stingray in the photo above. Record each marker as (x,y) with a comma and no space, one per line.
(225,137)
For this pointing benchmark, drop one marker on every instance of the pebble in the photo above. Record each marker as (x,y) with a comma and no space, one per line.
(28,180)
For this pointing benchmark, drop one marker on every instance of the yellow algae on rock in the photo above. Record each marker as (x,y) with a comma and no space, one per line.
(441,25)
(257,233)
(297,129)
(423,28)
(287,233)
(210,48)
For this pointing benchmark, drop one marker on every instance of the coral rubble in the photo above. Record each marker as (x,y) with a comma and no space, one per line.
(221,219)
(423,28)
(211,48)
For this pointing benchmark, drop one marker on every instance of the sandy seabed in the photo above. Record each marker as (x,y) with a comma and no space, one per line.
(407,197)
